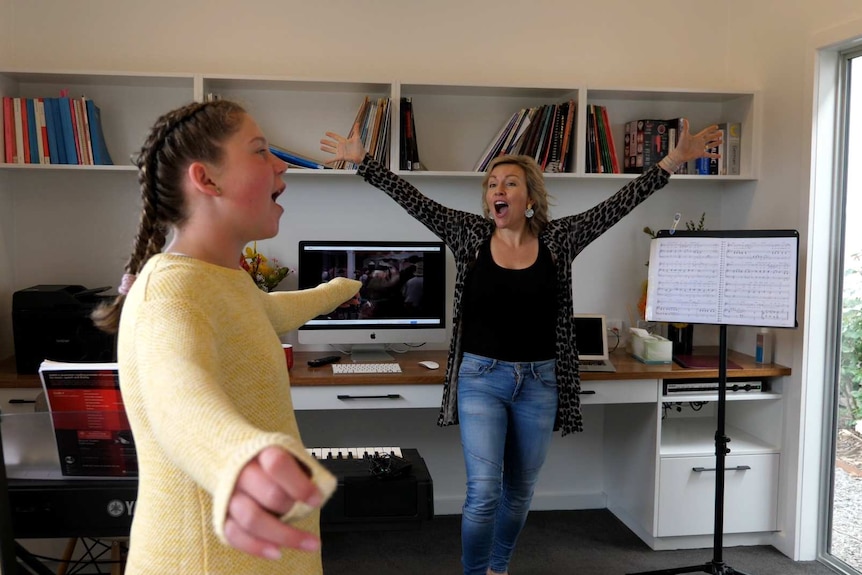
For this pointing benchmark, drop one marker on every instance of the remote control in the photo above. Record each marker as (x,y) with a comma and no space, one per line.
(323,360)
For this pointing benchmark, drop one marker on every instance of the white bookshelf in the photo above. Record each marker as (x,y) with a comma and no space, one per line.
(74,224)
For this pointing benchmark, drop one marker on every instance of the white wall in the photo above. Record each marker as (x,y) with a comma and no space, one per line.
(735,44)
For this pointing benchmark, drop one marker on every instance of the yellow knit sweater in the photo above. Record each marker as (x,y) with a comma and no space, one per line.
(206,388)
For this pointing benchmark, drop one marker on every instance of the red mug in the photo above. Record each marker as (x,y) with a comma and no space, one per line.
(288,354)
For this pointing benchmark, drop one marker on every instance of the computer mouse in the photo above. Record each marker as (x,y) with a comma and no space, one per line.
(429,364)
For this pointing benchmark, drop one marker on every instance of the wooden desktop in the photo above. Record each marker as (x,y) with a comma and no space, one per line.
(628,368)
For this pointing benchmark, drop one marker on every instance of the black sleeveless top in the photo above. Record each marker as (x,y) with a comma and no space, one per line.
(510,315)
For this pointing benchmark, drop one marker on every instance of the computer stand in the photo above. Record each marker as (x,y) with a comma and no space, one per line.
(717,566)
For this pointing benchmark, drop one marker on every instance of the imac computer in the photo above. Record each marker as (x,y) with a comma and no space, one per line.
(402,299)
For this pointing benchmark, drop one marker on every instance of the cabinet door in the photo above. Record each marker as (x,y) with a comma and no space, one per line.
(687,495)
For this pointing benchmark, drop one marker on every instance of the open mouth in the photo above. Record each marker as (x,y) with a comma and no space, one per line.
(276,194)
(500,207)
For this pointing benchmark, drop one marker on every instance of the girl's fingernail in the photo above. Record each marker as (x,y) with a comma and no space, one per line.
(310,544)
(273,553)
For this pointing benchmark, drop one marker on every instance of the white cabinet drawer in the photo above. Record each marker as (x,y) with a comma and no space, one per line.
(623,391)
(366,396)
(687,495)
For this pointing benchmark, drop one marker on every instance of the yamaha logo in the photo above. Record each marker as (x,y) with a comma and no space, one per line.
(118,508)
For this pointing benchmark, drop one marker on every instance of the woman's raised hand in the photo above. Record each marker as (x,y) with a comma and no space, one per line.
(693,146)
(349,149)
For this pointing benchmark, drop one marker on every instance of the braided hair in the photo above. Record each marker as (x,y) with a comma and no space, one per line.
(192,133)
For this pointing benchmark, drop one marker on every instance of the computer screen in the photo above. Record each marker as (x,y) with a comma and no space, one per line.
(591,336)
(402,299)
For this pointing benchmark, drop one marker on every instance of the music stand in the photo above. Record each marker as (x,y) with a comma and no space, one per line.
(744,278)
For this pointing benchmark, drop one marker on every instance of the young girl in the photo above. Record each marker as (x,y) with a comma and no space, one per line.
(225,484)
(512,374)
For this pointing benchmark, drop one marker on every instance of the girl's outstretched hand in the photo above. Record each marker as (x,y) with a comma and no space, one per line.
(349,149)
(266,489)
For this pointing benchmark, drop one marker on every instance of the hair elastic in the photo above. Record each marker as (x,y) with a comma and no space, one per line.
(126,283)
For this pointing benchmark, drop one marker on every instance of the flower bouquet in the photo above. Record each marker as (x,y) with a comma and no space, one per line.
(266,272)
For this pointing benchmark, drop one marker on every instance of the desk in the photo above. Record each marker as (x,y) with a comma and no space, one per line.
(625,460)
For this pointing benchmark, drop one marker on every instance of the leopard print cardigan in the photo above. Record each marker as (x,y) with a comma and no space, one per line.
(464,232)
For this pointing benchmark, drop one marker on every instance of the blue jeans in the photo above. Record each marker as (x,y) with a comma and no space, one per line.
(506,412)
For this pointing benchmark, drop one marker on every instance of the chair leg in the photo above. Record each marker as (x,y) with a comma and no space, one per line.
(67,555)
(118,565)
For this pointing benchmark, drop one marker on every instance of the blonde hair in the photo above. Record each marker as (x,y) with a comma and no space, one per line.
(536,191)
(192,133)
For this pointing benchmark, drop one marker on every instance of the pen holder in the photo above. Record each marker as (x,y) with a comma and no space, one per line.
(682,336)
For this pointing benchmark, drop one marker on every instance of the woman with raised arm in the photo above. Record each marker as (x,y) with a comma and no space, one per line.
(225,484)
(512,372)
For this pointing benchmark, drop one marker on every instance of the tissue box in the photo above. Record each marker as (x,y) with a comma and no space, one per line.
(652,349)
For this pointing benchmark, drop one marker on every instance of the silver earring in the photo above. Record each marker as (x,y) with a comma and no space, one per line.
(529,213)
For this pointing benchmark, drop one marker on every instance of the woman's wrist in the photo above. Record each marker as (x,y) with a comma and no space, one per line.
(670,164)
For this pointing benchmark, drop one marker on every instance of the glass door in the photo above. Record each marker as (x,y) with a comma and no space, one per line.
(844,536)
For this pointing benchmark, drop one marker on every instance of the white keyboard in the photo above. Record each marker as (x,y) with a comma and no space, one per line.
(351,452)
(388,367)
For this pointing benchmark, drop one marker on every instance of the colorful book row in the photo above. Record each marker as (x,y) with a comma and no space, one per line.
(543,132)
(601,152)
(53,131)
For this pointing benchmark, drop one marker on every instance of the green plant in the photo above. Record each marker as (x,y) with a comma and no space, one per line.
(850,377)
(689,225)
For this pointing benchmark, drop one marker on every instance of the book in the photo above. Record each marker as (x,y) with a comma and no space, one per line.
(630,149)
(101,156)
(54,136)
(9,131)
(23,130)
(674,133)
(86,139)
(496,144)
(615,165)
(597,142)
(567,137)
(80,123)
(295,159)
(604,139)
(730,148)
(44,144)
(93,434)
(67,126)
(31,142)
(655,142)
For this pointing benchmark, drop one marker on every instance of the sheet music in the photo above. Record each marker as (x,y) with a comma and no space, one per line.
(723,280)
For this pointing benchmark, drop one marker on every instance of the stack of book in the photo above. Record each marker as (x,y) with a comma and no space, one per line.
(543,132)
(648,141)
(601,152)
(53,131)
(373,121)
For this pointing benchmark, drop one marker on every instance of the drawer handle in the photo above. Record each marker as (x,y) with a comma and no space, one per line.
(737,468)
(387,396)
(588,392)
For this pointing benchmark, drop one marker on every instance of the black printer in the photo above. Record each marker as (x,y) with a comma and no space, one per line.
(53,322)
